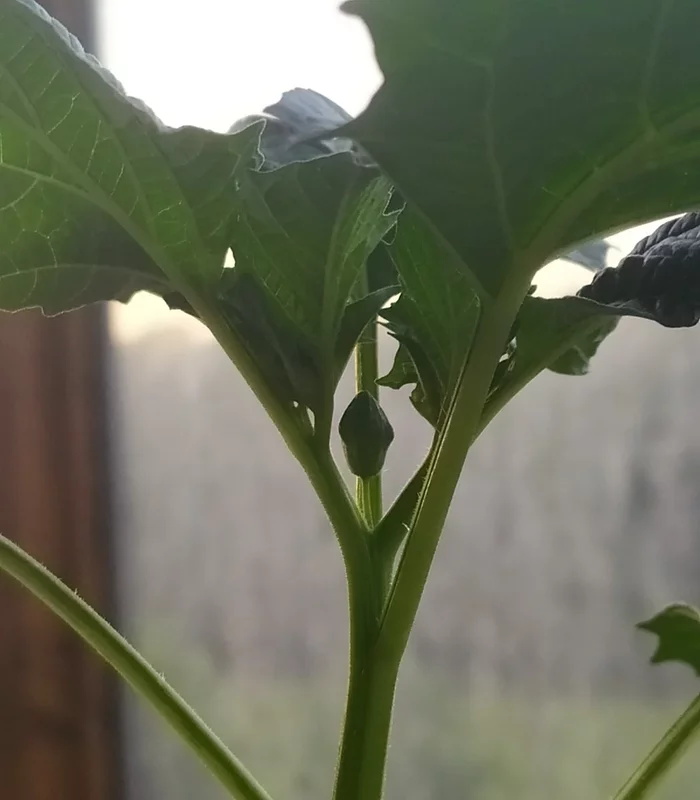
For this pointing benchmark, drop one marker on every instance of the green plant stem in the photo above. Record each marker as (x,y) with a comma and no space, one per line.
(391,532)
(368,490)
(370,687)
(663,756)
(370,702)
(119,654)
(446,467)
(363,575)
(375,660)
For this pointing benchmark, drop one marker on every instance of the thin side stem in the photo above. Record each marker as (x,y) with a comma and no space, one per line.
(370,688)
(392,531)
(132,667)
(368,490)
(446,467)
(663,756)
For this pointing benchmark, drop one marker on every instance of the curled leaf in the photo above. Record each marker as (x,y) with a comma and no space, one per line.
(659,279)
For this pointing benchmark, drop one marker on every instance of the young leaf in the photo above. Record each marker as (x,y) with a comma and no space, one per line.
(305,232)
(435,317)
(521,129)
(97,197)
(678,630)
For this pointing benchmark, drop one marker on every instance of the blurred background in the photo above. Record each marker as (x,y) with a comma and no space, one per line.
(137,464)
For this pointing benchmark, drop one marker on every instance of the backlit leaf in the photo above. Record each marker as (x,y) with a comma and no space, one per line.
(524,128)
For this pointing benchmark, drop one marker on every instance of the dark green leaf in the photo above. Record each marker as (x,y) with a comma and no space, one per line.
(97,197)
(286,359)
(435,318)
(381,270)
(523,128)
(678,629)
(305,231)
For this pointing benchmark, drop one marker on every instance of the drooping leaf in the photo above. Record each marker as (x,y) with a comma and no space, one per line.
(97,197)
(305,232)
(524,128)
(435,318)
(294,126)
(678,631)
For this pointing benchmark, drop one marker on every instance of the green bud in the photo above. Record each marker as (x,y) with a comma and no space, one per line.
(366,434)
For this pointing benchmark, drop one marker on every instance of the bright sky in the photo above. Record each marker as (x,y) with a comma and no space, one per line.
(211,62)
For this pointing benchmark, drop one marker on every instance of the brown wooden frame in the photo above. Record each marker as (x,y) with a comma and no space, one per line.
(60,732)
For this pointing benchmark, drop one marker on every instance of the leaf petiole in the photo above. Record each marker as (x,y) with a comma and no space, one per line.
(132,667)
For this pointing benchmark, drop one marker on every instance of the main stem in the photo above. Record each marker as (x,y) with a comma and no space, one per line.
(446,467)
(370,700)
(371,684)
(377,650)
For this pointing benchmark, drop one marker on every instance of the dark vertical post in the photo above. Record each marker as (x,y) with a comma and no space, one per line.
(59,712)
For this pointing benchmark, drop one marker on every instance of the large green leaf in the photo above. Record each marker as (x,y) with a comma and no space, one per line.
(97,197)
(521,127)
(434,319)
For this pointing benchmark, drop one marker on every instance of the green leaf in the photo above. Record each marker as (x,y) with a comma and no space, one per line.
(97,197)
(523,128)
(305,231)
(569,328)
(435,318)
(678,630)
(561,334)
(288,361)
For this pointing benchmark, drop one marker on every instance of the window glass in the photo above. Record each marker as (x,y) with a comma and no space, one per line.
(578,514)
